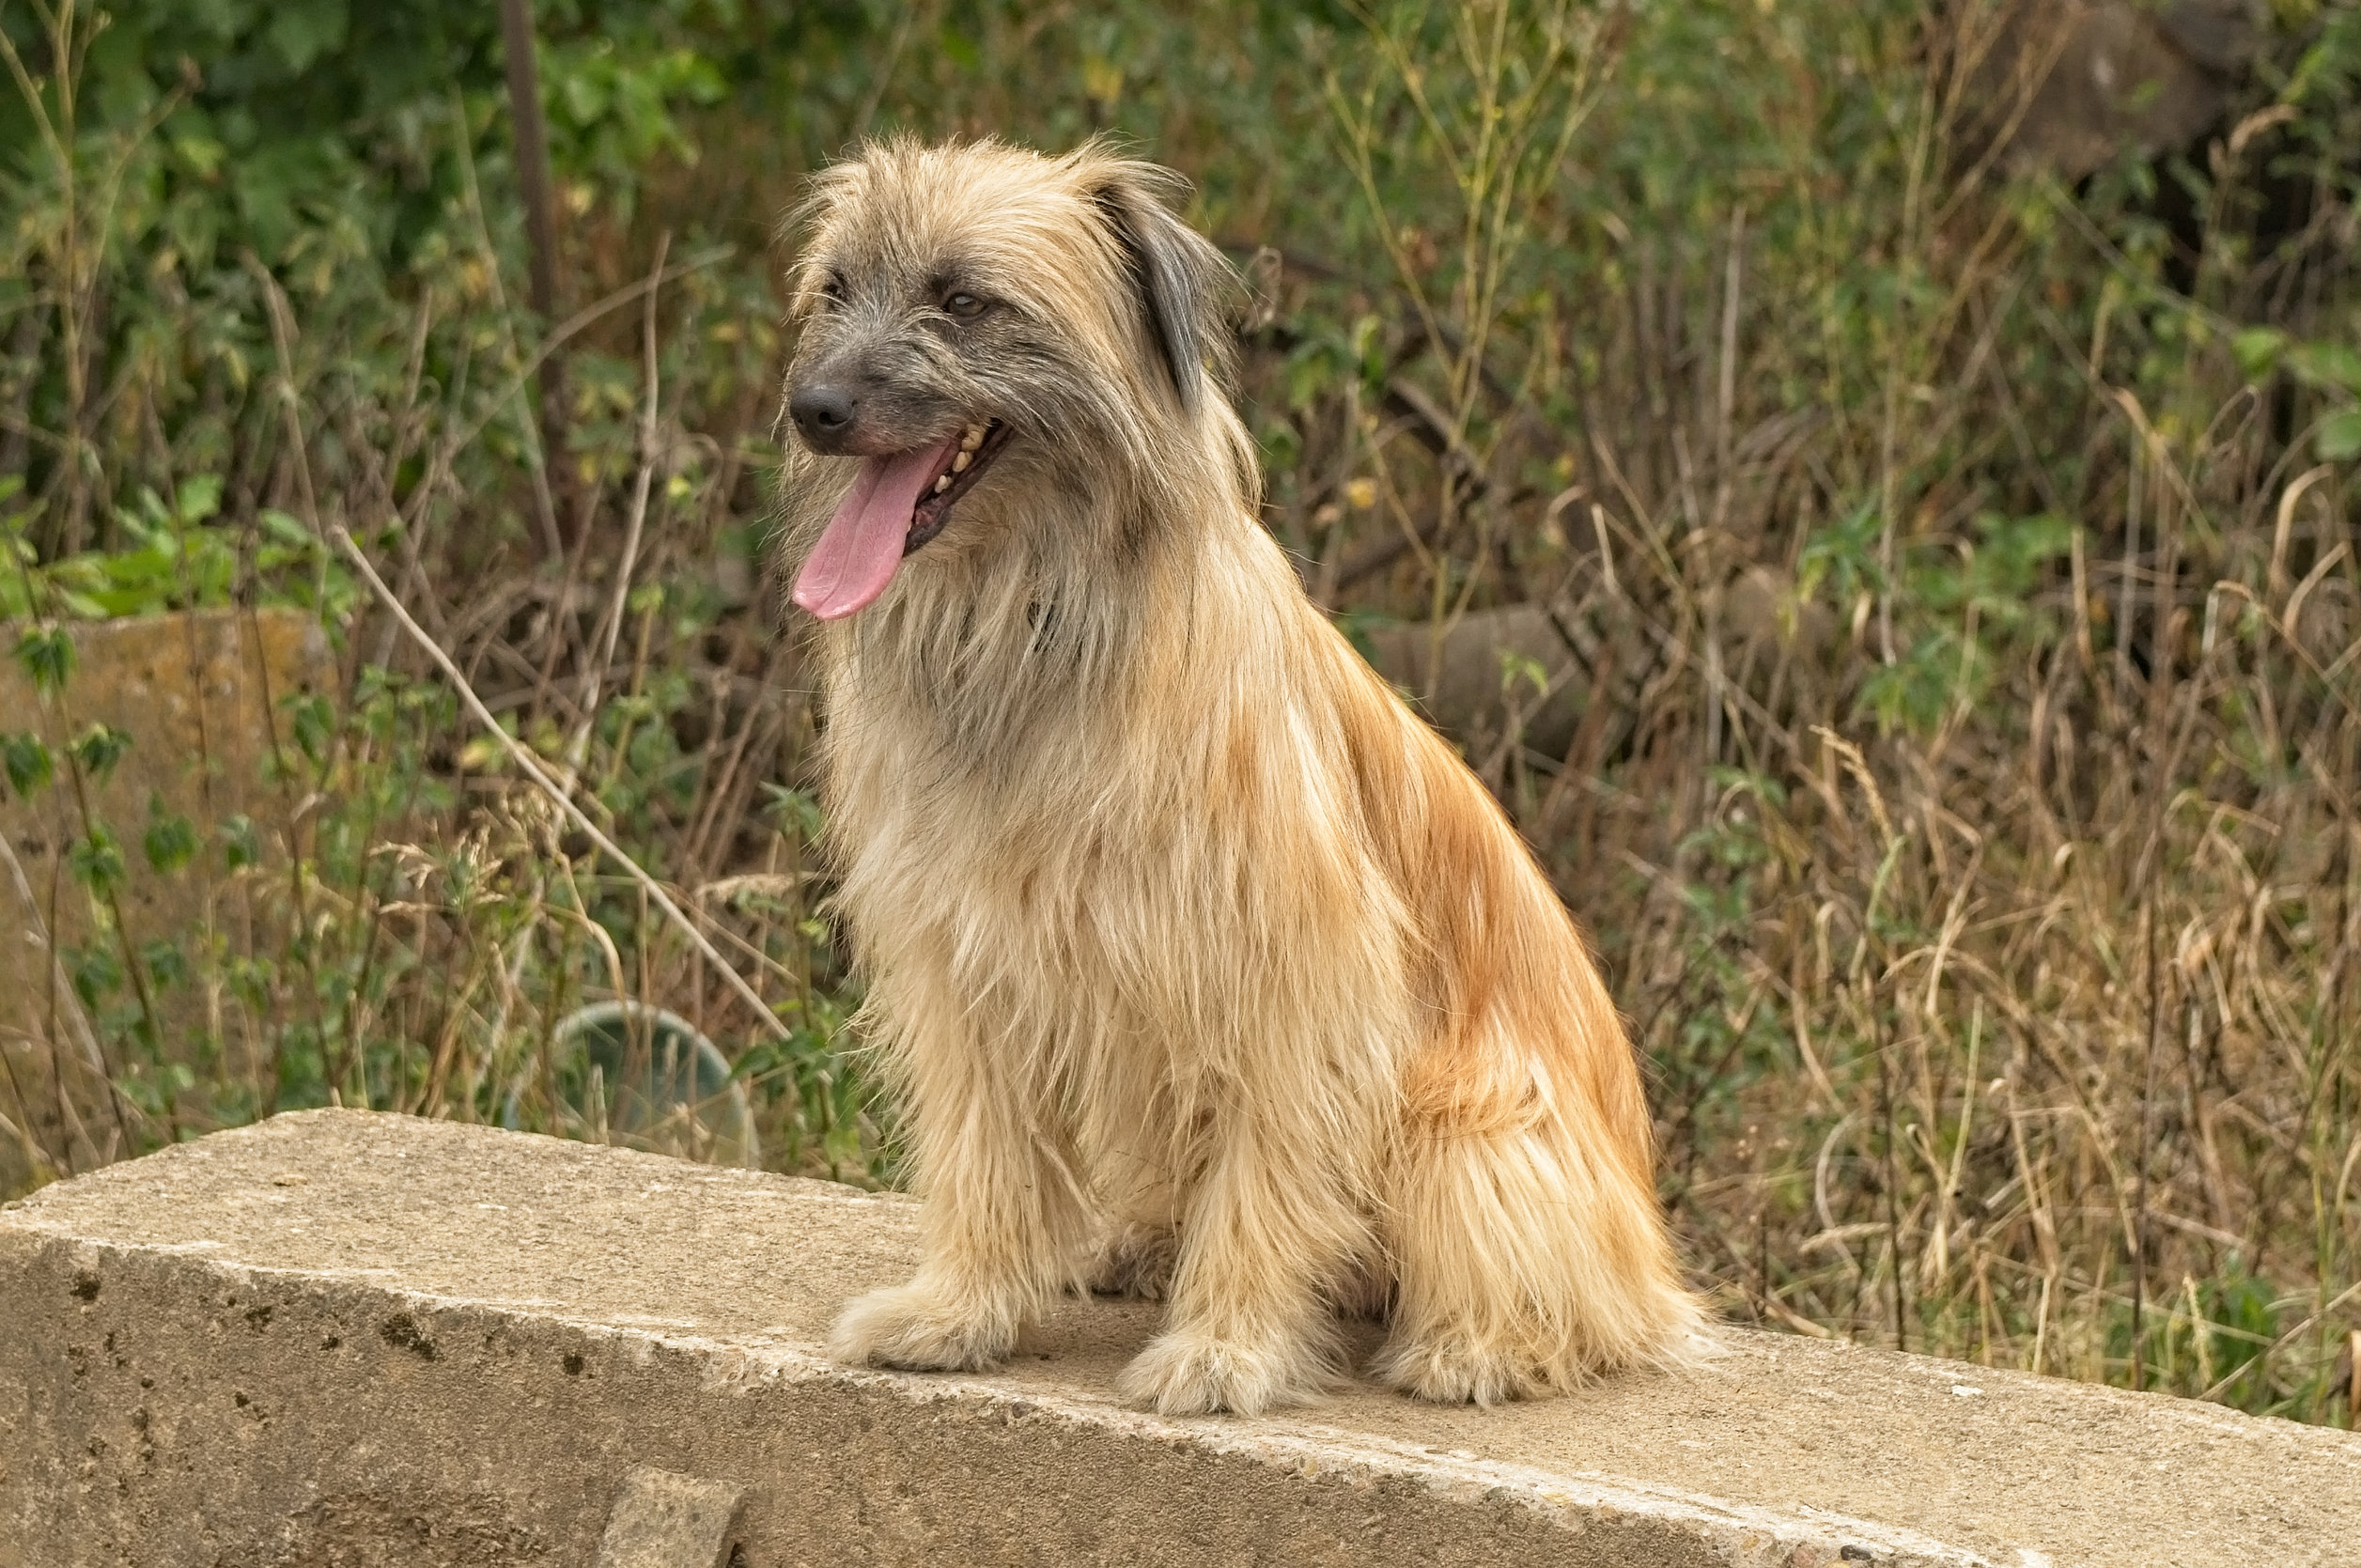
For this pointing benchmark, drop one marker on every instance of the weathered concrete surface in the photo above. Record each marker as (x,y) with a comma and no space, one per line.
(663,1519)
(190,689)
(347,1339)
(196,693)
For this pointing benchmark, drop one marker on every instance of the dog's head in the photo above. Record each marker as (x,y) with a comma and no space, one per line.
(978,321)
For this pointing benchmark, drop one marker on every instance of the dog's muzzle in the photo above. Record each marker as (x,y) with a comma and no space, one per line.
(897,502)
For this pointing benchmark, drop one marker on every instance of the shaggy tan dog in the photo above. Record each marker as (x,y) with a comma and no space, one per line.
(1207,972)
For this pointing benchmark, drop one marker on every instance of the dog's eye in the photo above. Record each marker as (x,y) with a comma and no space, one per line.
(832,289)
(964,305)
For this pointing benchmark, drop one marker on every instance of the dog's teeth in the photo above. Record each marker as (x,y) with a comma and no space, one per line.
(960,464)
(942,484)
(973,439)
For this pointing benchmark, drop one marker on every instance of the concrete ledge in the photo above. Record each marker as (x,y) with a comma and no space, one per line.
(350,1339)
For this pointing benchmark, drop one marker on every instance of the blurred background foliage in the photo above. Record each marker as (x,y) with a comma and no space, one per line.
(1893,555)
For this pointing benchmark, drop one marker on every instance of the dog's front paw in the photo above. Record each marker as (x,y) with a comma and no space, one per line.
(1456,1370)
(1136,1261)
(1183,1373)
(920,1329)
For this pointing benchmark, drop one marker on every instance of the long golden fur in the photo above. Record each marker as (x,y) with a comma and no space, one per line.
(1208,971)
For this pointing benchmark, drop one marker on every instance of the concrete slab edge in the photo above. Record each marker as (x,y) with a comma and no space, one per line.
(1742,1535)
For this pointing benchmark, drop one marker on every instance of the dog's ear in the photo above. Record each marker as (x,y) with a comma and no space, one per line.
(1182,282)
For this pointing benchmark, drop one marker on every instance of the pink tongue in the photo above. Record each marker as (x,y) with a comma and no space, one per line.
(856,556)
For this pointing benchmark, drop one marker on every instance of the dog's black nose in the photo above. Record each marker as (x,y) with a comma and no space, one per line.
(824,414)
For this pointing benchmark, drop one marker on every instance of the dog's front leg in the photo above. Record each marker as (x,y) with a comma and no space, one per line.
(1002,1223)
(1273,1220)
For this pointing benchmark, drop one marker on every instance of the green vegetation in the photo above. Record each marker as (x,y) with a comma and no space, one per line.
(1960,565)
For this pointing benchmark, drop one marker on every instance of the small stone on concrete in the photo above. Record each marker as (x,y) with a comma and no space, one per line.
(665,1519)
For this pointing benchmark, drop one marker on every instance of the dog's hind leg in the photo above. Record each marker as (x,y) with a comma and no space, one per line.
(1138,1153)
(1136,1259)
(1526,1262)
(1139,1242)
(1004,1220)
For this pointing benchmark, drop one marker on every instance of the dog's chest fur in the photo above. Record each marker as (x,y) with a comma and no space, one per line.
(1109,824)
